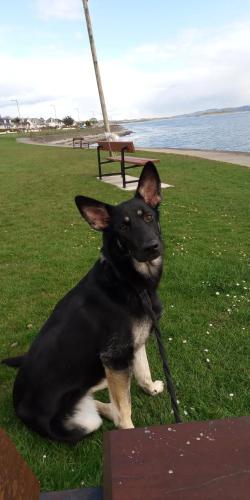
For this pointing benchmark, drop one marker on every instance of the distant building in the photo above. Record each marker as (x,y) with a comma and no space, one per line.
(54,123)
(35,123)
(6,122)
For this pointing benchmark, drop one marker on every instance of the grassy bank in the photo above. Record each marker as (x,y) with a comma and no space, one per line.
(51,135)
(46,248)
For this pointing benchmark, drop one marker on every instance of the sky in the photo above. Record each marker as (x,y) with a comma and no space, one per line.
(157,58)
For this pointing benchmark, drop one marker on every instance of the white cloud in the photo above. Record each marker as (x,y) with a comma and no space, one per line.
(58,9)
(38,83)
(196,70)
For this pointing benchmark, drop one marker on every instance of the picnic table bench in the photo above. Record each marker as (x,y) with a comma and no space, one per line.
(79,142)
(121,147)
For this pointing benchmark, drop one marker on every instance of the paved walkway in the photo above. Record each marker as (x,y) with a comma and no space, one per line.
(116,180)
(234,157)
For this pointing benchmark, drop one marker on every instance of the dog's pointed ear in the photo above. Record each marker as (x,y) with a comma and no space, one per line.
(149,185)
(96,213)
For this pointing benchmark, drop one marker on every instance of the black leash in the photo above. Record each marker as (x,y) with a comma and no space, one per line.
(148,308)
(170,386)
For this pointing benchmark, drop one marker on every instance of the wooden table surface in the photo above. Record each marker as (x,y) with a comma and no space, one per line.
(194,461)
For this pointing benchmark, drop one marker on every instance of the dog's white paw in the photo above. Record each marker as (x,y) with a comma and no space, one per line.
(155,388)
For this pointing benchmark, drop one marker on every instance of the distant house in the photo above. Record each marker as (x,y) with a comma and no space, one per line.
(6,122)
(35,123)
(59,122)
(54,123)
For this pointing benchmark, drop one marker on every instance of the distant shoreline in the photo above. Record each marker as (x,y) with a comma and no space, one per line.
(207,112)
(64,139)
(235,157)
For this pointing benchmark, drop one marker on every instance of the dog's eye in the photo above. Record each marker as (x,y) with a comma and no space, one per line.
(148,217)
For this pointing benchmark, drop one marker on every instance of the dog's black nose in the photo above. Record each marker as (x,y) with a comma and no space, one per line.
(151,247)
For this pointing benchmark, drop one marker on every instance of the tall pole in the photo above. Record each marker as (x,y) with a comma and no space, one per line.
(53,106)
(96,66)
(77,109)
(18,108)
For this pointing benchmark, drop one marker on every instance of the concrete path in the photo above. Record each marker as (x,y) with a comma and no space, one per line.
(116,180)
(234,157)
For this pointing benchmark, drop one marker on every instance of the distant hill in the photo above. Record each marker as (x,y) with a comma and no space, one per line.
(213,111)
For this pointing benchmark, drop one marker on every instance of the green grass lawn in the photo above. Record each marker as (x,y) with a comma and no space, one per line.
(46,248)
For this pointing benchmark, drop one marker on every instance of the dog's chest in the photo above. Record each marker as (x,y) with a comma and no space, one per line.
(141,331)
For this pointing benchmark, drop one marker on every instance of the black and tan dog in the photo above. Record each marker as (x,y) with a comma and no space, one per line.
(96,335)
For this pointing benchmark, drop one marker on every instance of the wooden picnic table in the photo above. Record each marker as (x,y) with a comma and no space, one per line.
(193,461)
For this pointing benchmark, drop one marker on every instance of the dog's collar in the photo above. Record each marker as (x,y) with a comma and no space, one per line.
(119,243)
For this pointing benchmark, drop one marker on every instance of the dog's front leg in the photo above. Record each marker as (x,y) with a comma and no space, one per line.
(142,373)
(119,391)
(100,386)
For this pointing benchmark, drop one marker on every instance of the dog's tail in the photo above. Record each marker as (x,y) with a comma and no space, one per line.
(14,362)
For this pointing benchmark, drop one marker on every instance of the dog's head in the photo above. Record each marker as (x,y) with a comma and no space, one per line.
(133,224)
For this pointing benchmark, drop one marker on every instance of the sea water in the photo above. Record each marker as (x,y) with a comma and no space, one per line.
(223,132)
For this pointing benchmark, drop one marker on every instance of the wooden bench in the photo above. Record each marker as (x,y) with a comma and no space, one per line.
(17,481)
(79,142)
(120,147)
(189,461)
